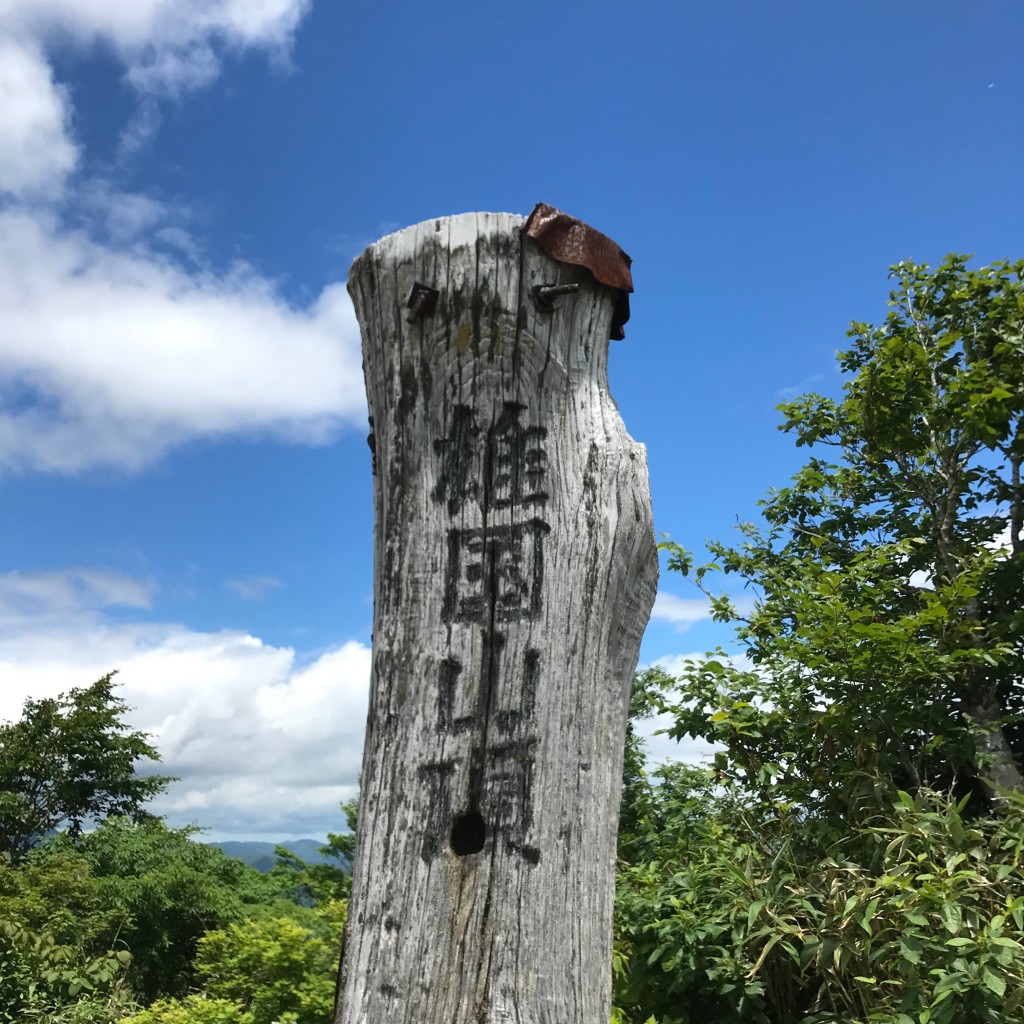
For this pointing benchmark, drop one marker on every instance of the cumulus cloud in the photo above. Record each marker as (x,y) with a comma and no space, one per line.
(118,342)
(115,356)
(661,748)
(262,744)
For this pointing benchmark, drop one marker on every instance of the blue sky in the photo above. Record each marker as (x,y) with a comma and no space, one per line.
(185,478)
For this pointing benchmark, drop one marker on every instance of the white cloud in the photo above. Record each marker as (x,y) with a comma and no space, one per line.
(180,240)
(118,343)
(681,612)
(921,579)
(663,748)
(167,46)
(123,218)
(116,356)
(262,745)
(70,590)
(1002,542)
(677,664)
(36,150)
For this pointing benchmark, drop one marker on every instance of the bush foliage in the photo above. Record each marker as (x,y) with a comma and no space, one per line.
(854,853)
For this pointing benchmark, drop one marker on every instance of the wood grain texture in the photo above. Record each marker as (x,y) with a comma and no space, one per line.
(515,569)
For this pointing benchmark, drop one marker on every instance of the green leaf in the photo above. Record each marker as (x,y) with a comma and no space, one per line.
(951,916)
(755,908)
(910,949)
(993,982)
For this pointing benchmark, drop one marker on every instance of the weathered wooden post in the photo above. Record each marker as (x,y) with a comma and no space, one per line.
(515,573)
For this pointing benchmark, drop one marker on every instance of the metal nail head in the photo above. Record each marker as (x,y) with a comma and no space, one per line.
(545,294)
(422,302)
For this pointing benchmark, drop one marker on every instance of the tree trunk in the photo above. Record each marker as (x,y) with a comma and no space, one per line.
(995,758)
(515,570)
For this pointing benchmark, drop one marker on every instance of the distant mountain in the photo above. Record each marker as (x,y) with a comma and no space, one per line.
(261,855)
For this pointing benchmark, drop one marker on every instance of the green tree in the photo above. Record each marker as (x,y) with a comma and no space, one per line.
(62,959)
(890,573)
(853,855)
(58,893)
(194,1009)
(69,760)
(277,969)
(164,891)
(143,894)
(638,804)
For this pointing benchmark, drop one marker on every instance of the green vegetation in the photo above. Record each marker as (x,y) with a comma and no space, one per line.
(69,760)
(130,919)
(854,853)
(262,971)
(852,856)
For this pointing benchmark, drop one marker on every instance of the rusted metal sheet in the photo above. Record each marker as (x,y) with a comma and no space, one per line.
(569,240)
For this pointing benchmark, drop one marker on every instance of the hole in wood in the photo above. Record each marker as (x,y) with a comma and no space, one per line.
(468,834)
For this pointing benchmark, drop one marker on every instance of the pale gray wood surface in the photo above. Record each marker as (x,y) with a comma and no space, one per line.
(515,569)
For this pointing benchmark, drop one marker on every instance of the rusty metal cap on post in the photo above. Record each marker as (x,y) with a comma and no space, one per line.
(569,240)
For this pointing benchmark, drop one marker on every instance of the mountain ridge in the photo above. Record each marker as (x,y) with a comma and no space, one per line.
(260,855)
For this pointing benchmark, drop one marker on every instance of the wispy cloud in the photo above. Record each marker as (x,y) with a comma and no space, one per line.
(71,590)
(680,611)
(252,588)
(166,48)
(801,387)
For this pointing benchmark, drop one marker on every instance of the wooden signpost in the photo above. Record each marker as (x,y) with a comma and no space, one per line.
(515,570)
